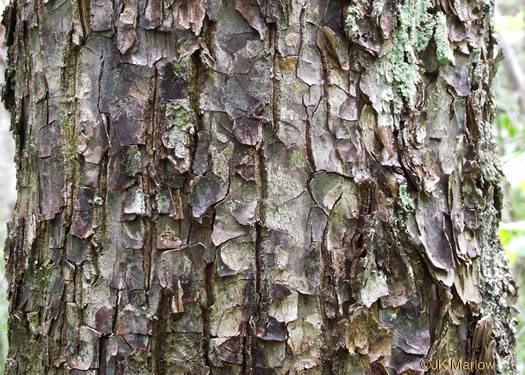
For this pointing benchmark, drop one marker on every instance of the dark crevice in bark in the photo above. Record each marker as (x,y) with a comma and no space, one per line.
(276,91)
(259,305)
(116,293)
(14,251)
(102,192)
(398,136)
(99,95)
(69,121)
(245,349)
(328,301)
(150,250)
(209,276)
(102,347)
(158,361)
(309,151)
(85,17)
(195,88)
(301,31)
(20,126)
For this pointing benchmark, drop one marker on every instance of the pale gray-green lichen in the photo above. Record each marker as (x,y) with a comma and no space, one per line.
(412,35)
(406,199)
(400,66)
(423,24)
(180,121)
(354,14)
(443,50)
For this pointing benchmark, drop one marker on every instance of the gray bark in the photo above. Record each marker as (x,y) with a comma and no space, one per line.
(254,187)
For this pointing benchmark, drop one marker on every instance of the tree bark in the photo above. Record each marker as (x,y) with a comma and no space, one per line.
(254,187)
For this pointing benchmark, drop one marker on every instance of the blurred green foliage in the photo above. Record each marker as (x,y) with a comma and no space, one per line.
(510,135)
(511,23)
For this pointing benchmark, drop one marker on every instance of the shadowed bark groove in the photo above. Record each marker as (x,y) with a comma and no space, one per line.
(254,187)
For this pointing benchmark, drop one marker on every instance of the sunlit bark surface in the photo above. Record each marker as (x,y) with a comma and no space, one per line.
(254,187)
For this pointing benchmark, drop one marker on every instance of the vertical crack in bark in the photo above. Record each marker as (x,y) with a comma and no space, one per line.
(327,298)
(84,15)
(99,95)
(150,185)
(256,307)
(102,220)
(102,351)
(158,362)
(309,151)
(276,89)
(69,128)
(245,349)
(249,353)
(209,275)
(194,89)
(401,148)
(301,29)
(102,183)
(150,250)
(115,313)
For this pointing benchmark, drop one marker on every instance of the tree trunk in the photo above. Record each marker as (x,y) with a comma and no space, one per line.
(254,187)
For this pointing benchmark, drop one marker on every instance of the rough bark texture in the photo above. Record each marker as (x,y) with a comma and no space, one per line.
(254,187)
